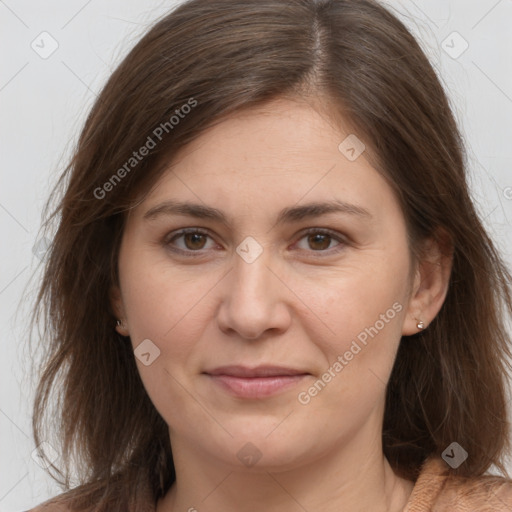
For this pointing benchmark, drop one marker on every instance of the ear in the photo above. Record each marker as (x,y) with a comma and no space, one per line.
(116,303)
(430,283)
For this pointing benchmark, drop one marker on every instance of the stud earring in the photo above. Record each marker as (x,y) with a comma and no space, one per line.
(420,325)
(120,328)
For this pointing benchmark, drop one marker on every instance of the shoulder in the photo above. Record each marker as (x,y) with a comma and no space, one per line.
(489,493)
(439,491)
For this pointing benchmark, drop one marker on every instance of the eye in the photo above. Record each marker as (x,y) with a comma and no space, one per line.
(192,240)
(195,240)
(320,240)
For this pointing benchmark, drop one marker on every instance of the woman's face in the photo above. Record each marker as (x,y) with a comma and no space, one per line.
(301,263)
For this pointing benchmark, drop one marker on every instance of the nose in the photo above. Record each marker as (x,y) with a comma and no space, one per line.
(254,300)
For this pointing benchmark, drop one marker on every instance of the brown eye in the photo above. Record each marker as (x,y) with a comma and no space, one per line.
(319,241)
(194,241)
(190,241)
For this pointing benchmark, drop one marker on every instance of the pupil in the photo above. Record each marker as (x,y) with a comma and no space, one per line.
(321,238)
(194,238)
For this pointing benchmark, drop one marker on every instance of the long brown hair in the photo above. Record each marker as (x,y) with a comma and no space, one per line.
(217,57)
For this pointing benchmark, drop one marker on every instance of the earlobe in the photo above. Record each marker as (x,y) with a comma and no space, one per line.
(420,325)
(431,284)
(121,328)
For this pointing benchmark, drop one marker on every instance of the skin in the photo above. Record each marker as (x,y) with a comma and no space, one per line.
(300,304)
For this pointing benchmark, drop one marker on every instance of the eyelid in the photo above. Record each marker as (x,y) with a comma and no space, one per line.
(343,241)
(173,235)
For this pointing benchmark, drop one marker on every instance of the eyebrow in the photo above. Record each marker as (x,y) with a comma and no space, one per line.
(286,215)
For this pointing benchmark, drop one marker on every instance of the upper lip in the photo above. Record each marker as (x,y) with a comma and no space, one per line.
(259,371)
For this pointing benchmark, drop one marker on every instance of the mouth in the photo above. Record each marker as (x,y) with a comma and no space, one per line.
(259,382)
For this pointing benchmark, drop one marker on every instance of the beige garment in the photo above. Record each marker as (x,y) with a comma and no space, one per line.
(436,490)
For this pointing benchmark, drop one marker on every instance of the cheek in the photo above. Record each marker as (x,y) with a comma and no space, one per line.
(171,306)
(156,295)
(349,301)
(360,312)
(164,305)
(358,358)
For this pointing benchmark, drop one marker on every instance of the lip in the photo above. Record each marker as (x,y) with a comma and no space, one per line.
(257,371)
(259,382)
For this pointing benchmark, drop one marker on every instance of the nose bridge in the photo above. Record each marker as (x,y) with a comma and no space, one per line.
(253,297)
(251,283)
(251,273)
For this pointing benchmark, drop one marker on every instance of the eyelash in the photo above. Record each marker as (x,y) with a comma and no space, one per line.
(171,237)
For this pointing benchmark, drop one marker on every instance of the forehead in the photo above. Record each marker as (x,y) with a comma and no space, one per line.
(279,153)
(275,136)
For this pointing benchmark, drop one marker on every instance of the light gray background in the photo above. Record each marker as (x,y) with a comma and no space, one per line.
(44,102)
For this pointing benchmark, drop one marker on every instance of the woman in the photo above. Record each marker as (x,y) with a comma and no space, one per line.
(269,288)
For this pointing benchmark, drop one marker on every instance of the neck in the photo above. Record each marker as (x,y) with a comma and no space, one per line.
(352,477)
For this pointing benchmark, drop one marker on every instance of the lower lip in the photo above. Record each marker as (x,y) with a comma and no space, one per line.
(256,387)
